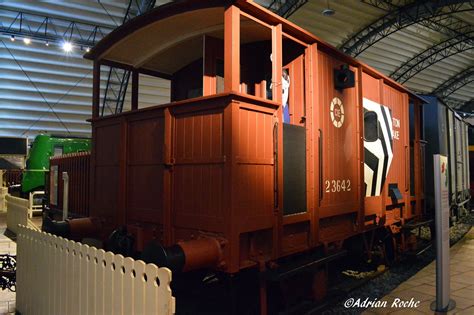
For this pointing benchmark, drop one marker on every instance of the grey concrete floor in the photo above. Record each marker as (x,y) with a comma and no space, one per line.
(422,286)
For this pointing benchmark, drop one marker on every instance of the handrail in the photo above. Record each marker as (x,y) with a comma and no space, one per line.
(320,153)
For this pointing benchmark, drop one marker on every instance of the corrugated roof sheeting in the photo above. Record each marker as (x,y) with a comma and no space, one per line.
(349,18)
(64,81)
(390,53)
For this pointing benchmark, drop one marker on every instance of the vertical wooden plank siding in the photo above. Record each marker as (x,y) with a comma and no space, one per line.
(77,165)
(312,191)
(123,168)
(228,120)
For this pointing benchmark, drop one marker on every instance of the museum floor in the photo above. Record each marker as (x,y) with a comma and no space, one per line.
(422,286)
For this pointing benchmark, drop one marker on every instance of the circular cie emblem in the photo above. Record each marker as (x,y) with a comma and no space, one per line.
(337,112)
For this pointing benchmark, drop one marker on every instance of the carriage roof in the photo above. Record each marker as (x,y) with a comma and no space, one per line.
(164,39)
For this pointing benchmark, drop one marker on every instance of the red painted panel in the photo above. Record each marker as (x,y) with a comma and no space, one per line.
(254,134)
(105,159)
(141,133)
(371,88)
(145,183)
(399,169)
(254,196)
(397,102)
(145,170)
(198,136)
(106,193)
(107,145)
(339,141)
(254,173)
(197,177)
(197,192)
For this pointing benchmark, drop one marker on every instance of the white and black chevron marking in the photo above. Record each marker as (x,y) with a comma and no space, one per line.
(378,153)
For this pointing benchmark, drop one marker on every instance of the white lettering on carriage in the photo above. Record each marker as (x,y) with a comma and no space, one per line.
(396,124)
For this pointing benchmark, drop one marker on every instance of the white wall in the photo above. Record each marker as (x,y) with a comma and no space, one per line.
(63,80)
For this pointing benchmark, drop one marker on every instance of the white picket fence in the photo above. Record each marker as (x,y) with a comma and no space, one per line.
(3,201)
(59,276)
(17,212)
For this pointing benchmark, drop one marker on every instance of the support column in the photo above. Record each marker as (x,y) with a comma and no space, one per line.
(135,75)
(277,97)
(277,63)
(95,89)
(232,49)
(417,150)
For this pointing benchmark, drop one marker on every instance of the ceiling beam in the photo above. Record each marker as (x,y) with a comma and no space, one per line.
(454,83)
(51,29)
(449,25)
(467,107)
(457,104)
(285,8)
(434,54)
(399,18)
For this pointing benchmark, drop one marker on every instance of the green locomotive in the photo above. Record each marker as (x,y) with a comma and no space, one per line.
(44,147)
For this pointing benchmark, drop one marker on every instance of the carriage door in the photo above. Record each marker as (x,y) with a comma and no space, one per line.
(294,131)
(338,150)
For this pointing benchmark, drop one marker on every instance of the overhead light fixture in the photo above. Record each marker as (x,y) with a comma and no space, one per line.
(12,38)
(88,49)
(27,41)
(67,46)
(328,11)
(47,43)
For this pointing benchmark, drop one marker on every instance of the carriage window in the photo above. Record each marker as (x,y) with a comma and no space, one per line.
(188,81)
(371,129)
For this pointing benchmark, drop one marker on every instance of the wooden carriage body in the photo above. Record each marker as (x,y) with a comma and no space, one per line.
(221,160)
